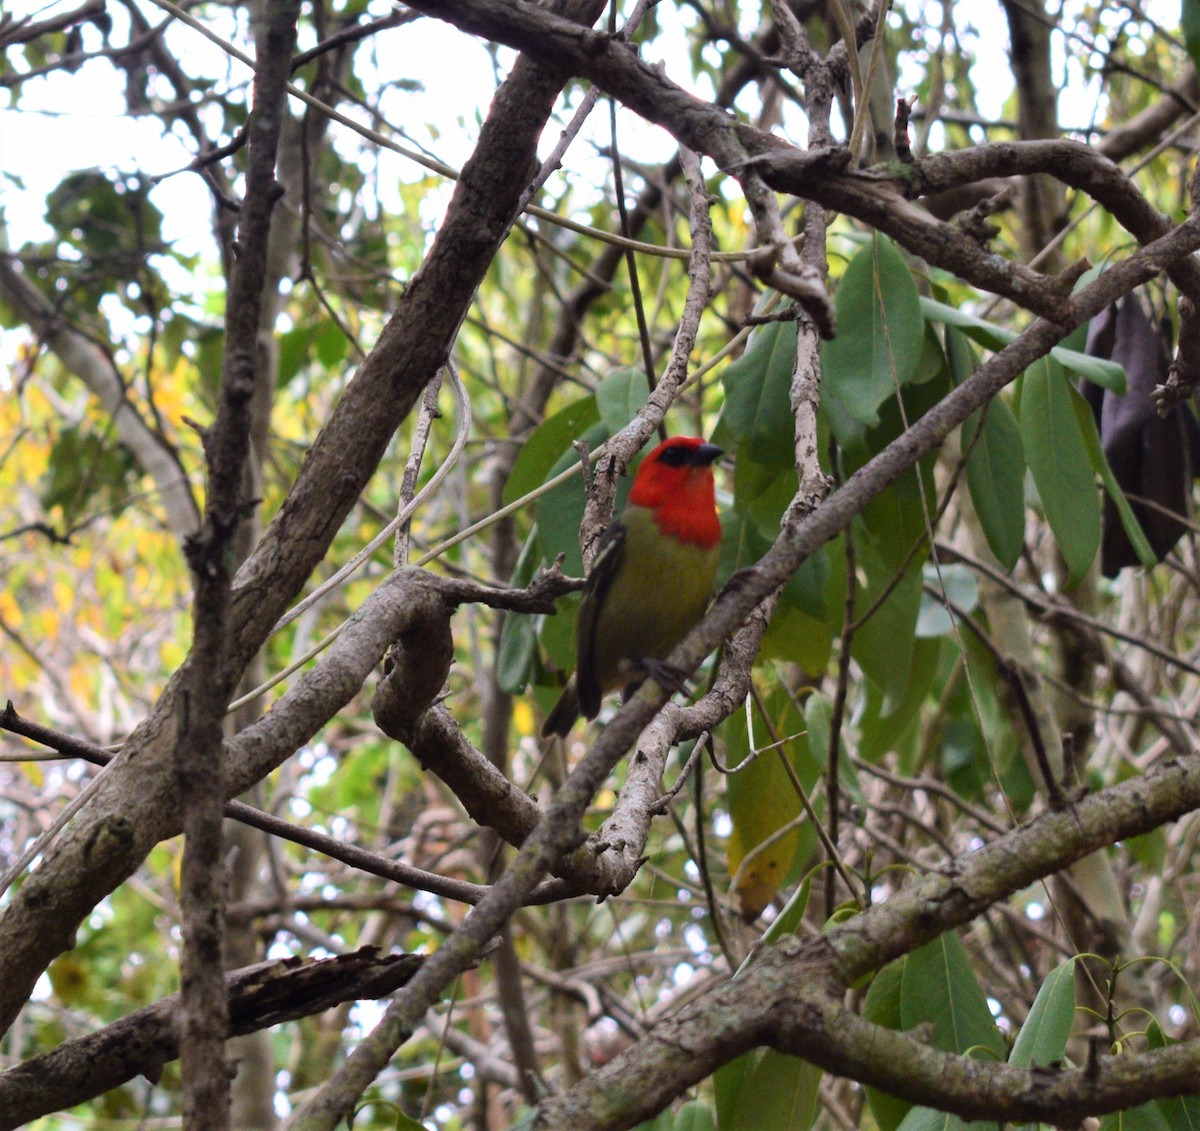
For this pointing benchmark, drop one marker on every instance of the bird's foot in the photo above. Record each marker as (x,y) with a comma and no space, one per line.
(665,675)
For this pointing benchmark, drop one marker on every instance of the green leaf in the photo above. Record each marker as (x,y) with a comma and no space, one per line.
(880,733)
(762,492)
(1148,1117)
(987,334)
(405,1122)
(790,917)
(741,544)
(1189,24)
(663,1121)
(972,709)
(1043,1038)
(796,636)
(960,355)
(895,520)
(526,1120)
(81,466)
(695,1115)
(933,361)
(1060,465)
(620,397)
(995,459)
(961,589)
(1100,371)
(1182,1113)
(818,721)
(879,343)
(517,653)
(940,989)
(928,1119)
(996,478)
(1091,437)
(293,352)
(883,643)
(549,441)
(882,1007)
(332,344)
(728,1083)
(778,1093)
(103,216)
(560,510)
(557,633)
(758,394)
(1150,850)
(210,350)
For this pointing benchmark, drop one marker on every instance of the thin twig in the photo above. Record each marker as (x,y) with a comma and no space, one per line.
(830,847)
(370,862)
(412,467)
(837,715)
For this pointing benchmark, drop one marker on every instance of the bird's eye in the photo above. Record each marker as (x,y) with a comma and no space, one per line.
(674,457)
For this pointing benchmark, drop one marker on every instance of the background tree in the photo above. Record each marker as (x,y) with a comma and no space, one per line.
(282,537)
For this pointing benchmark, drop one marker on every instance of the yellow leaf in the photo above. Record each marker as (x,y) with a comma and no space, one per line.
(523,718)
(172,653)
(68,977)
(82,682)
(63,594)
(766,835)
(50,620)
(10,611)
(760,871)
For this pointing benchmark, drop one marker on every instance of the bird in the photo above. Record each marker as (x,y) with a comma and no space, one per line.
(651,580)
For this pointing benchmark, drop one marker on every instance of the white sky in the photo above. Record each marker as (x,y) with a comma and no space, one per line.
(78,121)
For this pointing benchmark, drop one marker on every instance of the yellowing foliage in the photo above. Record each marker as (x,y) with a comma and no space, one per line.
(10,611)
(523,717)
(63,594)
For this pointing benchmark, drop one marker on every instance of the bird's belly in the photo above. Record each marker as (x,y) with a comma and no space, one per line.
(668,607)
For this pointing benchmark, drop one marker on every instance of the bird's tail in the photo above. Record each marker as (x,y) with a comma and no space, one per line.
(564,713)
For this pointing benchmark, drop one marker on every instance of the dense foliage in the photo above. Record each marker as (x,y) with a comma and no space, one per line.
(317,401)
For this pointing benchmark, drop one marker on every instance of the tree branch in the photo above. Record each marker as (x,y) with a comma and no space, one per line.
(792,994)
(208,678)
(134,807)
(140,1043)
(558,832)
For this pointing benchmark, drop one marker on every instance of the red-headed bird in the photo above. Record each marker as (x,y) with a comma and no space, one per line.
(651,581)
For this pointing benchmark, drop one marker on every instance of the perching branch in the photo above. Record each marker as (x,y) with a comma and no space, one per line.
(558,832)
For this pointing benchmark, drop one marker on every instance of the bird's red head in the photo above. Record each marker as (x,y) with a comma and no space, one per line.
(675,481)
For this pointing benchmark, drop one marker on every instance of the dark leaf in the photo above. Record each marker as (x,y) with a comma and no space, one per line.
(1152,458)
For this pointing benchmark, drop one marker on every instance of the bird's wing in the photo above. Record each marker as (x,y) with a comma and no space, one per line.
(595,593)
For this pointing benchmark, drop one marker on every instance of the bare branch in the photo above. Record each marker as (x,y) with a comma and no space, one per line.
(142,1042)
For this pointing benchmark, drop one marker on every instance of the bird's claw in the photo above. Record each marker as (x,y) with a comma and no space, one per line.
(665,675)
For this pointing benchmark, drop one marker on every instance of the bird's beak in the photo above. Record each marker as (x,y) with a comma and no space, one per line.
(707,454)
